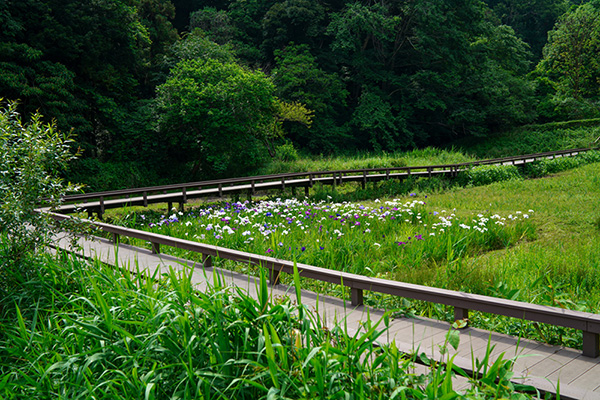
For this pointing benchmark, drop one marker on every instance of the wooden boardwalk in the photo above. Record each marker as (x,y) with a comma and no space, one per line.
(181,193)
(542,366)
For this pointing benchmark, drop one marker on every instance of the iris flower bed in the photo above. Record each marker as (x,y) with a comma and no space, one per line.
(386,239)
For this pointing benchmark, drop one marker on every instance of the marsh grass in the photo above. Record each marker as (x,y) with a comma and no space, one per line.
(427,156)
(83,331)
(551,259)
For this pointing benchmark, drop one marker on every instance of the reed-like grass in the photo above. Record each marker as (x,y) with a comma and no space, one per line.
(550,258)
(87,331)
(426,156)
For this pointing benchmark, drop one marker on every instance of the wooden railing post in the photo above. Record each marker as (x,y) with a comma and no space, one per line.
(253,186)
(206,261)
(101,207)
(220,190)
(115,238)
(364,180)
(282,183)
(155,248)
(461,313)
(310,180)
(145,196)
(356,297)
(591,344)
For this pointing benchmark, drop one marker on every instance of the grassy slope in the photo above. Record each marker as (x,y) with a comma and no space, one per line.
(567,251)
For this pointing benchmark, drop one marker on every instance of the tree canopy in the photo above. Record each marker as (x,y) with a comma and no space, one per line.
(375,75)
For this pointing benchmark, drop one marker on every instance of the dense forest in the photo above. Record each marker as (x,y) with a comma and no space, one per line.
(157,90)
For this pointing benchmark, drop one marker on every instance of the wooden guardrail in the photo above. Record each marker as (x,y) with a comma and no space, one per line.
(462,302)
(99,201)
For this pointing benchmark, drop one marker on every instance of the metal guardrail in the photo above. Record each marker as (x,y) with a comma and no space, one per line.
(184,191)
(462,302)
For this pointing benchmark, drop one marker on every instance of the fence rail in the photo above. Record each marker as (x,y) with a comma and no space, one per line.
(462,302)
(181,193)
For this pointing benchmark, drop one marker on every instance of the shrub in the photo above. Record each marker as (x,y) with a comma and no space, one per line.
(486,174)
(31,157)
(286,152)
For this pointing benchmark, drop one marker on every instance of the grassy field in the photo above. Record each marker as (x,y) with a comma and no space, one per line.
(531,240)
(79,330)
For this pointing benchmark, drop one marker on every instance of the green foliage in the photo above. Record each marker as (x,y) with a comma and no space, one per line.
(545,167)
(135,336)
(531,20)
(486,174)
(32,156)
(532,139)
(571,64)
(214,115)
(286,152)
(298,78)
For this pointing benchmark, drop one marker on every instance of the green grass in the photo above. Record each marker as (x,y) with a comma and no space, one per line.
(533,139)
(427,156)
(550,258)
(77,330)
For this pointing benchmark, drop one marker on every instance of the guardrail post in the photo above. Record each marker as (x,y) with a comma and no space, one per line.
(101,207)
(184,191)
(364,180)
(408,171)
(115,238)
(253,185)
(145,195)
(155,248)
(306,190)
(591,344)
(220,190)
(461,313)
(387,174)
(206,261)
(356,296)
(429,171)
(282,183)
(169,206)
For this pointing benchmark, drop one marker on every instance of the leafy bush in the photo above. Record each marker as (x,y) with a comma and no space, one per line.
(32,155)
(286,152)
(545,167)
(486,174)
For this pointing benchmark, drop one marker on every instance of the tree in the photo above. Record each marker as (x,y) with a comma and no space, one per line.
(32,157)
(531,20)
(432,69)
(298,78)
(571,63)
(214,115)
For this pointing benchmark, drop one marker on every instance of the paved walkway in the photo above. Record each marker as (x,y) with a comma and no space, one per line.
(540,365)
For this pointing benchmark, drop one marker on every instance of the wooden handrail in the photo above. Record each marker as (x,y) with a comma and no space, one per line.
(279,177)
(462,302)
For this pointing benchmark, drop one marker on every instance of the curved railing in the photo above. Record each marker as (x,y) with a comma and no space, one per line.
(462,302)
(180,193)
